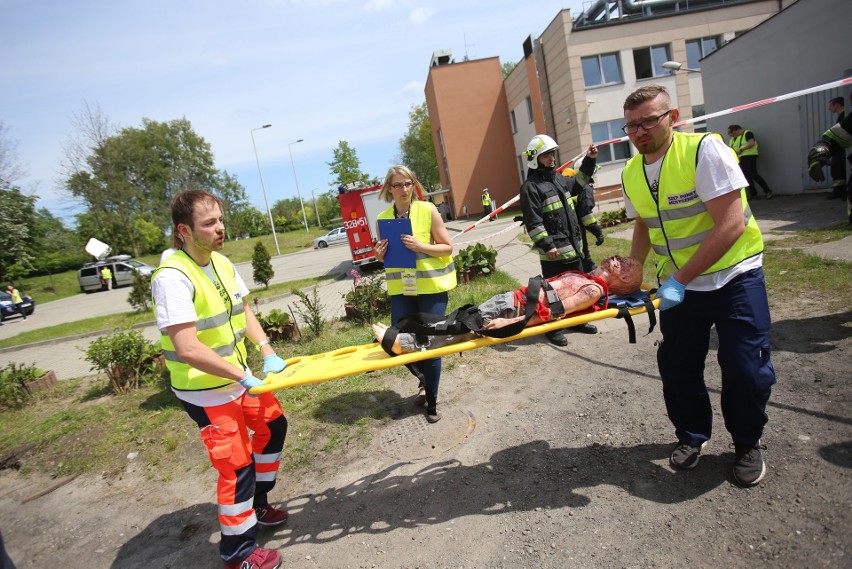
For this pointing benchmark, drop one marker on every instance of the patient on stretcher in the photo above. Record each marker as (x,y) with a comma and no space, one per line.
(577,291)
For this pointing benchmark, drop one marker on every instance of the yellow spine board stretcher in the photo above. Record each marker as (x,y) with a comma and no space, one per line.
(353,360)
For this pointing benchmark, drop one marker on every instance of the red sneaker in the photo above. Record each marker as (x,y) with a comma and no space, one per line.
(271,516)
(259,559)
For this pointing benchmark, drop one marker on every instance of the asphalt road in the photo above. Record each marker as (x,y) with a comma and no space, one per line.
(304,264)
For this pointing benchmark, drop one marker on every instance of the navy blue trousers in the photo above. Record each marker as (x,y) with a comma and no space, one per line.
(434,304)
(740,312)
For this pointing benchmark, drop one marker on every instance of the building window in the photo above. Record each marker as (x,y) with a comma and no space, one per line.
(602,69)
(648,61)
(698,111)
(530,110)
(514,122)
(697,49)
(602,131)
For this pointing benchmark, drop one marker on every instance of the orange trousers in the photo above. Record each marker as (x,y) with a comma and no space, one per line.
(247,464)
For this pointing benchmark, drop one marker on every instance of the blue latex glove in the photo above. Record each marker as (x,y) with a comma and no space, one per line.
(671,293)
(250,381)
(272,364)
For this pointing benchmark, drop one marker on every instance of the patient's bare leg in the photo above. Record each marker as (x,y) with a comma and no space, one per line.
(379,330)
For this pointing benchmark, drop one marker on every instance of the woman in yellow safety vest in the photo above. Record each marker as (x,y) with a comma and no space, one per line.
(424,287)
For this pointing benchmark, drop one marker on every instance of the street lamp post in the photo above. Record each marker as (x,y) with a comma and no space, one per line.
(678,66)
(263,187)
(298,193)
(316,208)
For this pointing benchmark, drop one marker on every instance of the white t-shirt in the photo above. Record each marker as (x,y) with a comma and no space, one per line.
(173,292)
(716,174)
(166,254)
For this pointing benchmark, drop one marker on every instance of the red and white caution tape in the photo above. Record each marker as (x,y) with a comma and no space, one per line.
(490,215)
(732,110)
(514,225)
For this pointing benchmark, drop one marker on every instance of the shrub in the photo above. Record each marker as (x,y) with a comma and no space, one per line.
(261,266)
(475,260)
(13,380)
(610,218)
(127,358)
(310,310)
(276,325)
(140,294)
(368,298)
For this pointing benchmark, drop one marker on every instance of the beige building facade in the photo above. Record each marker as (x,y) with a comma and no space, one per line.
(571,85)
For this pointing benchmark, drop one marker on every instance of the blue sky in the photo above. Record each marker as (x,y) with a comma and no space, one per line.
(318,70)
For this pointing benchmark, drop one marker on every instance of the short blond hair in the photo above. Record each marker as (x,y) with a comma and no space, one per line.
(405,172)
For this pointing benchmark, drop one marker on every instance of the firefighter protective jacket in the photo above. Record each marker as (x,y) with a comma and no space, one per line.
(549,214)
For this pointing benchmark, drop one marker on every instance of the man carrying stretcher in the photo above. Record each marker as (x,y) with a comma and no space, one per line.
(574,290)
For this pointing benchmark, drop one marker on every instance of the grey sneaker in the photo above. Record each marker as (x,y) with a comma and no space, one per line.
(749,468)
(685,457)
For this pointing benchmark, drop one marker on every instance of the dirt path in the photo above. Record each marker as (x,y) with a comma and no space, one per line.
(546,458)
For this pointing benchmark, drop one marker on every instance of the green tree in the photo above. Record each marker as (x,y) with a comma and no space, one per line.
(11,168)
(508,67)
(417,148)
(345,166)
(134,174)
(234,201)
(261,266)
(247,221)
(328,206)
(17,232)
(150,237)
(56,247)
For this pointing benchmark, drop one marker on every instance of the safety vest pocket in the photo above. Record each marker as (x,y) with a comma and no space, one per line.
(219,439)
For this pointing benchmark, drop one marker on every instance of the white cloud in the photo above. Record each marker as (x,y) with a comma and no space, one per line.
(419,16)
(378,5)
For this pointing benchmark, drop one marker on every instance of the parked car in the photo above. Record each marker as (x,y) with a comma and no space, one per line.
(337,235)
(7,309)
(121,266)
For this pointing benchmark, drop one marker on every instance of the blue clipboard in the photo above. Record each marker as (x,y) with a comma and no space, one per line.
(398,256)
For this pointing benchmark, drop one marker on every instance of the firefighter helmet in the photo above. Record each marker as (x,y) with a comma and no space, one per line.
(540,144)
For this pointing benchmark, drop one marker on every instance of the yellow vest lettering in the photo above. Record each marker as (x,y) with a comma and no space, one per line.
(434,274)
(678,221)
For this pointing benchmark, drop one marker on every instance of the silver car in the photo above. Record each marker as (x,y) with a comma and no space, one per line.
(337,235)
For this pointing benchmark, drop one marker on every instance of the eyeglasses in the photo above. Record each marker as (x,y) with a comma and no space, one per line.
(399,185)
(647,124)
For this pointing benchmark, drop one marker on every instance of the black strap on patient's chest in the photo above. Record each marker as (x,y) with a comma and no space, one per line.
(469,319)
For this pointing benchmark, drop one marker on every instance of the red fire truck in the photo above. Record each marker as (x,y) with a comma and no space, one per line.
(359,207)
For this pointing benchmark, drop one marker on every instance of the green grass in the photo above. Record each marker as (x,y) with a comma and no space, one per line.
(63,285)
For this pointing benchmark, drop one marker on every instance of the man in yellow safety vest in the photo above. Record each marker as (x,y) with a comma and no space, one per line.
(689,201)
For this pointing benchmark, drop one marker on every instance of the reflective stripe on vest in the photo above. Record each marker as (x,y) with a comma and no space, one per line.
(678,221)
(840,135)
(434,274)
(738,142)
(221,325)
(566,252)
